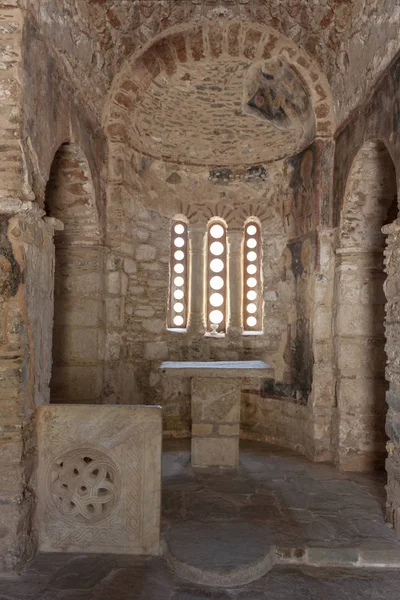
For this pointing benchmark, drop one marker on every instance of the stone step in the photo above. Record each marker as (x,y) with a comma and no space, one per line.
(219,554)
(372,556)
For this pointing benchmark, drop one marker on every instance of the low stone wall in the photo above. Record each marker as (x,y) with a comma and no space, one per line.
(279,421)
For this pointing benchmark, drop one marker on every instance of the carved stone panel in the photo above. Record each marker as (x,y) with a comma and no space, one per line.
(99,478)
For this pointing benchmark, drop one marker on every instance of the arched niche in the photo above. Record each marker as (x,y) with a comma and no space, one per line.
(78,336)
(370,202)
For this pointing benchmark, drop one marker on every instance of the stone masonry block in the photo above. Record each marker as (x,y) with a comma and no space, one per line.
(201,429)
(216,402)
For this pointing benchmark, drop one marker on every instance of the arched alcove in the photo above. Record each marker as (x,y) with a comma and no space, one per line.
(214,120)
(370,202)
(78,337)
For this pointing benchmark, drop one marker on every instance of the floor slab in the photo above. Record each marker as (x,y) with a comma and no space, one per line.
(311,513)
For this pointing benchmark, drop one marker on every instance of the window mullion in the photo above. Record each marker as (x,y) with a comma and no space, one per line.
(235,281)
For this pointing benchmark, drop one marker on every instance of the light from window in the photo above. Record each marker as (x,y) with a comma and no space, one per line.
(178,276)
(252,296)
(216,276)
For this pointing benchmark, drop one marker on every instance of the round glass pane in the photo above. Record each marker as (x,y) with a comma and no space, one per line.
(251,269)
(216,265)
(178,307)
(251,256)
(216,300)
(251,308)
(216,283)
(179,242)
(179,255)
(179,268)
(252,282)
(178,321)
(217,248)
(251,295)
(178,294)
(251,243)
(179,228)
(216,316)
(217,231)
(251,321)
(251,229)
(179,281)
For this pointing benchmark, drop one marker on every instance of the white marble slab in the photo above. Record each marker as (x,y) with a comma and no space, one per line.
(223,368)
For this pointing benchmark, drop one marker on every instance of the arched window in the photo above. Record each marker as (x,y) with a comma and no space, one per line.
(252,292)
(216,276)
(178,298)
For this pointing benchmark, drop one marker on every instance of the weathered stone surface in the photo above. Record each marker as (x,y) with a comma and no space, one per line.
(219,369)
(218,555)
(99,479)
(90,94)
(215,404)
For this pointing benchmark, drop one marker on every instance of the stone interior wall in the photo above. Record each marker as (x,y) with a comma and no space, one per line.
(392,256)
(22,384)
(142,203)
(27,259)
(26,307)
(377,120)
(69,62)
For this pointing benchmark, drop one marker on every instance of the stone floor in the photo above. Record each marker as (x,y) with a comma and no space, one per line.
(310,513)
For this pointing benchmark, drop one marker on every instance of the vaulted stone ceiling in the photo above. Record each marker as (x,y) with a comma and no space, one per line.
(352,41)
(221,93)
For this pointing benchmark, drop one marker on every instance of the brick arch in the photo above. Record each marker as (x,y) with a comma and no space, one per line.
(70,195)
(211,40)
(234,215)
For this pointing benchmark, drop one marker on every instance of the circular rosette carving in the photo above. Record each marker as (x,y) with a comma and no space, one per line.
(84,485)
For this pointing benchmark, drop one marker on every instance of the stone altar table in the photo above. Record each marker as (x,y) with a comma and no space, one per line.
(216,393)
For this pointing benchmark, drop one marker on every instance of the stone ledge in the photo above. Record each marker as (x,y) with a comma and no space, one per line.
(340,557)
(219,369)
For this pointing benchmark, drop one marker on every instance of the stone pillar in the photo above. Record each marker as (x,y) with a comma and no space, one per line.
(215,421)
(392,326)
(235,282)
(26,318)
(196,322)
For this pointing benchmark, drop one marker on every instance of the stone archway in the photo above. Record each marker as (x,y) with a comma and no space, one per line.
(370,202)
(78,336)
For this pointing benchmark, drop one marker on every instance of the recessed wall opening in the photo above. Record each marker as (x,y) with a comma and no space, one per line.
(78,304)
(370,202)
